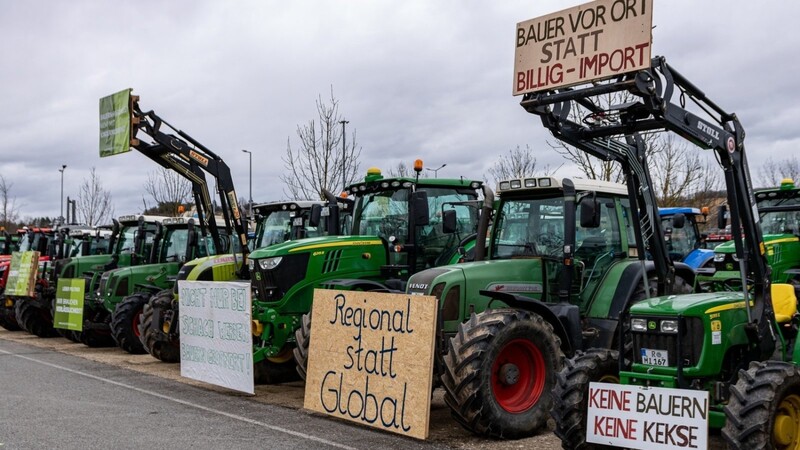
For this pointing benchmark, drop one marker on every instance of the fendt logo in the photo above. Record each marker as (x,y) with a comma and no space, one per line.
(705,128)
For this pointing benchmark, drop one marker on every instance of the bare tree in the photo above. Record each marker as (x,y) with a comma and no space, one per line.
(169,190)
(94,203)
(9,213)
(518,163)
(772,172)
(676,170)
(321,158)
(400,170)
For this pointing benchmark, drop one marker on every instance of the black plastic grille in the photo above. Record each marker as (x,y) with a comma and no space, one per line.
(691,332)
(271,285)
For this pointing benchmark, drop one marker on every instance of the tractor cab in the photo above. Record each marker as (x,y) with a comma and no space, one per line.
(683,238)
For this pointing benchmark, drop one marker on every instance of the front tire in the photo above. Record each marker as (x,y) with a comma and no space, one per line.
(302,337)
(500,371)
(276,370)
(570,394)
(33,319)
(168,351)
(125,323)
(764,408)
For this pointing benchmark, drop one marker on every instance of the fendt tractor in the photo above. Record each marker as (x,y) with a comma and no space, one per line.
(32,314)
(276,222)
(737,346)
(779,216)
(396,231)
(685,243)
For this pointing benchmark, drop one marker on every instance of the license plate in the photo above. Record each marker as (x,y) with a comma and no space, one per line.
(655,357)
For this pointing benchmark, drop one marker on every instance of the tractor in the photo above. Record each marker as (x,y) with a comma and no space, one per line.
(684,241)
(397,230)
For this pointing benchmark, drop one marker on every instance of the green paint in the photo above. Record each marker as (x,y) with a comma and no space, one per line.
(115,124)
(69,304)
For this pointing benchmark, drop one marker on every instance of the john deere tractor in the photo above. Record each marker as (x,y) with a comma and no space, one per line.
(397,231)
(738,346)
(779,216)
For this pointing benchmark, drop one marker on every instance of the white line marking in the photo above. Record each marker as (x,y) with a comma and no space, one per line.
(185,403)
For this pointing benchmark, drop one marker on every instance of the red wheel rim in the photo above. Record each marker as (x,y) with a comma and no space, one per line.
(135,324)
(518,376)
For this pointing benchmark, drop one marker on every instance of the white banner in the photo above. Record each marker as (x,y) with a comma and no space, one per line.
(216,346)
(647,417)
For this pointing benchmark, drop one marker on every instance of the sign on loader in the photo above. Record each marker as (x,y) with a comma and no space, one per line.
(593,41)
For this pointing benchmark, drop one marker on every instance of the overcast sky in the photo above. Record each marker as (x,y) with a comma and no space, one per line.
(416,79)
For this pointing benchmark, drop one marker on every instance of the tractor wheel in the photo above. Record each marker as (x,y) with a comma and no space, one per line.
(33,319)
(96,338)
(302,337)
(500,371)
(125,323)
(8,318)
(764,407)
(152,342)
(570,394)
(276,370)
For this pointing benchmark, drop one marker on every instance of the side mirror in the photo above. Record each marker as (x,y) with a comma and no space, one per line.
(86,247)
(314,215)
(43,245)
(419,208)
(590,213)
(449,224)
(722,220)
(678,220)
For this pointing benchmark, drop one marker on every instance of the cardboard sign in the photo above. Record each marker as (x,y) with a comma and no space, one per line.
(371,359)
(115,124)
(69,304)
(593,41)
(216,345)
(647,418)
(22,273)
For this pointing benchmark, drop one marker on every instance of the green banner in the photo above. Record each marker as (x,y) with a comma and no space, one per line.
(69,304)
(115,124)
(22,273)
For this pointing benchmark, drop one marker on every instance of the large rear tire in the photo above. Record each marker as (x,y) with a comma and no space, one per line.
(168,351)
(96,338)
(500,371)
(570,394)
(302,337)
(764,408)
(125,323)
(33,319)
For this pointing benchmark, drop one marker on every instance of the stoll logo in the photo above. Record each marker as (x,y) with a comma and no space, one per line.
(705,128)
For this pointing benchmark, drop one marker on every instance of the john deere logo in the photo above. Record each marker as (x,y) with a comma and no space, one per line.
(651,325)
(729,266)
(258,276)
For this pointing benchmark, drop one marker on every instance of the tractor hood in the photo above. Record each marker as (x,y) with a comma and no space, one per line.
(322,244)
(518,276)
(691,305)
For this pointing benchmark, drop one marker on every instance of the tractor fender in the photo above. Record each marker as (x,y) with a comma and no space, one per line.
(565,318)
(629,282)
(355,284)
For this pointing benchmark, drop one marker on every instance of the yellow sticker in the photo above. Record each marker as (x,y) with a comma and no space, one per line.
(716,325)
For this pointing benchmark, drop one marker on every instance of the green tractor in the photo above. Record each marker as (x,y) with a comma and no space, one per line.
(133,246)
(497,365)
(276,222)
(738,347)
(123,292)
(779,215)
(396,231)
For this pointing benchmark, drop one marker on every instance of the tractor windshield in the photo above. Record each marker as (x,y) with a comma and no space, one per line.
(278,228)
(781,222)
(25,243)
(125,242)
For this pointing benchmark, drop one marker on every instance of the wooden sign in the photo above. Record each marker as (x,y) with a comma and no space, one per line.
(22,273)
(371,359)
(593,41)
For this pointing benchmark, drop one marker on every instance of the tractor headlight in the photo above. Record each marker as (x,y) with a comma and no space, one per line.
(270,263)
(250,264)
(719,257)
(669,326)
(639,325)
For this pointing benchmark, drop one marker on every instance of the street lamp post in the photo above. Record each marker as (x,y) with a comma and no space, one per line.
(61,217)
(344,152)
(436,171)
(250,206)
